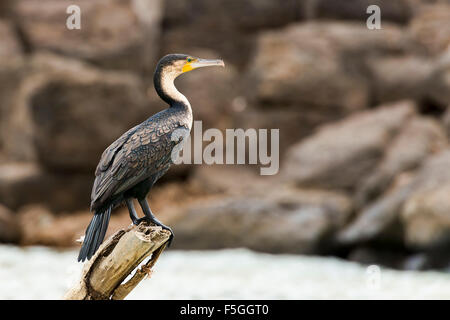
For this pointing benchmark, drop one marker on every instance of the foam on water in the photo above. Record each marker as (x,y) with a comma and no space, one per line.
(43,273)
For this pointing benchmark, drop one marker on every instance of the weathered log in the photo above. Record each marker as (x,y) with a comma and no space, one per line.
(103,276)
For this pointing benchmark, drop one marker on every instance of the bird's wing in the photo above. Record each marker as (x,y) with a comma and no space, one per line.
(134,158)
(110,152)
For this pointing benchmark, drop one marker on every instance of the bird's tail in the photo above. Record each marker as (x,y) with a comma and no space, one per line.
(95,233)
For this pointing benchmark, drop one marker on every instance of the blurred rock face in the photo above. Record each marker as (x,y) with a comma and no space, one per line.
(290,221)
(307,65)
(334,159)
(26,184)
(431,27)
(363,118)
(114,34)
(69,111)
(10,46)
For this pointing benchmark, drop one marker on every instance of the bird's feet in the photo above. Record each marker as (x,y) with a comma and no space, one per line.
(138,221)
(169,242)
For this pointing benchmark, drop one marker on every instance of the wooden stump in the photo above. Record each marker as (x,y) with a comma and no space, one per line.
(103,276)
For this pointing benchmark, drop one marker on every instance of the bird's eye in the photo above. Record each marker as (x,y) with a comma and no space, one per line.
(189,60)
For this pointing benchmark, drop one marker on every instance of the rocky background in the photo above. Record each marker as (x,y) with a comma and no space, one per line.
(364,119)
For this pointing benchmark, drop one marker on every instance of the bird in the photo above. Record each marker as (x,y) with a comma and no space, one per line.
(132,164)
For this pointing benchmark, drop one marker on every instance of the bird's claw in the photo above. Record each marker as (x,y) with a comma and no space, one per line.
(138,221)
(169,242)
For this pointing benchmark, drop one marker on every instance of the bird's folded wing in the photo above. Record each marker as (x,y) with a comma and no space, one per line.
(133,159)
(110,152)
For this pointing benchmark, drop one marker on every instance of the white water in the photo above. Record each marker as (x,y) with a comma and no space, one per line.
(42,273)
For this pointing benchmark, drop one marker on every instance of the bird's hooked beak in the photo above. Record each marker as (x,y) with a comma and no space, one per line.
(199,63)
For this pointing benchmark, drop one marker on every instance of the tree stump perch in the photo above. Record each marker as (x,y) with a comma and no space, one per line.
(103,276)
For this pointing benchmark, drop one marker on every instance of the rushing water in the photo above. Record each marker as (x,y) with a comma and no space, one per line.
(43,273)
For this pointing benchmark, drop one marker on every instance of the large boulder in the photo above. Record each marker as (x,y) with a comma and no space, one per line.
(25,183)
(425,213)
(431,27)
(379,220)
(295,221)
(400,77)
(412,211)
(319,70)
(10,45)
(119,34)
(10,56)
(70,112)
(6,8)
(76,118)
(342,154)
(426,216)
(12,72)
(419,138)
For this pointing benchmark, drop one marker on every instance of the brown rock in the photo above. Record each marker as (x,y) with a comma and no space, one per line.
(9,226)
(426,216)
(319,67)
(286,221)
(12,72)
(424,213)
(431,27)
(342,154)
(77,111)
(114,34)
(404,207)
(10,45)
(22,184)
(379,220)
(6,8)
(419,138)
(399,77)
(41,227)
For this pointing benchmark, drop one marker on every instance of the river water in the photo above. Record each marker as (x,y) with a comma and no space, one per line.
(44,273)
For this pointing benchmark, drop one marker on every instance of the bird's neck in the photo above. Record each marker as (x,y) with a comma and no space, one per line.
(165,87)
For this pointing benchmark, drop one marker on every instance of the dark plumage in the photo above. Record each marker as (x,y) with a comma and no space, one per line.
(130,166)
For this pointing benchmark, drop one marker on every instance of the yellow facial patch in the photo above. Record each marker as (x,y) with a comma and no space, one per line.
(187,67)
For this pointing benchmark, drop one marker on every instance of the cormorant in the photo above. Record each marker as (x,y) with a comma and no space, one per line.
(131,165)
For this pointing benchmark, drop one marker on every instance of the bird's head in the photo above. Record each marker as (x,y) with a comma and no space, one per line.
(170,67)
(173,65)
